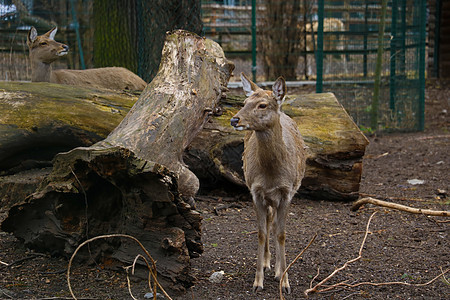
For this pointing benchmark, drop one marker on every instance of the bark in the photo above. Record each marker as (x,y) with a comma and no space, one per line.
(129,182)
(336,147)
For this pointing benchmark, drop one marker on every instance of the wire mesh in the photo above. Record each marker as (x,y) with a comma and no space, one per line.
(100,33)
(130,33)
(287,35)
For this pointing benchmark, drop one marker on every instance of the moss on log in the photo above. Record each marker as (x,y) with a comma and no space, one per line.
(41,119)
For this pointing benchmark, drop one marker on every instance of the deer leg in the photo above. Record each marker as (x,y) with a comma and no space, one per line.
(280,234)
(267,255)
(261,216)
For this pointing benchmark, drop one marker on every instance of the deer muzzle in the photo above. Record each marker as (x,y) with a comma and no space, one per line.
(235,123)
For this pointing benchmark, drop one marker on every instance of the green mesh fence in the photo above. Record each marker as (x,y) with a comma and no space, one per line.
(341,57)
(100,33)
(266,38)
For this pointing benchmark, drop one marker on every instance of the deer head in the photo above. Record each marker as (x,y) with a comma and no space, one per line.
(44,48)
(261,109)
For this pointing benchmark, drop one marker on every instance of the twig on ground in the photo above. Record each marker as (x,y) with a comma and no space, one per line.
(153,274)
(316,287)
(442,136)
(386,283)
(390,197)
(430,212)
(31,256)
(289,266)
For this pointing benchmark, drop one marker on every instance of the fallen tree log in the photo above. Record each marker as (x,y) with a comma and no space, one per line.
(40,119)
(133,181)
(336,145)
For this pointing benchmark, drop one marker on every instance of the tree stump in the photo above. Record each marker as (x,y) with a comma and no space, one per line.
(132,182)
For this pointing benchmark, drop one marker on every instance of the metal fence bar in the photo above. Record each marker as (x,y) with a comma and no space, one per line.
(319,54)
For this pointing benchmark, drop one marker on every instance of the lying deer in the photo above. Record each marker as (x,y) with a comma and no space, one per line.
(274,165)
(44,50)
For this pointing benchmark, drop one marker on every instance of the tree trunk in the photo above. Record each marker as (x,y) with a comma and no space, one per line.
(279,38)
(155,18)
(115,35)
(132,181)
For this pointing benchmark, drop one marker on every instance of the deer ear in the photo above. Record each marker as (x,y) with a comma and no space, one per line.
(51,33)
(32,35)
(279,89)
(248,85)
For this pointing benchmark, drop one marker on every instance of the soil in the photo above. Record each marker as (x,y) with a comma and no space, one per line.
(400,246)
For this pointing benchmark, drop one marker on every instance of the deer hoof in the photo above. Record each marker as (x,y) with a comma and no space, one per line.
(257,289)
(286,289)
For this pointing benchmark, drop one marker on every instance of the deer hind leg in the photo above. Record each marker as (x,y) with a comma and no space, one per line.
(280,235)
(263,255)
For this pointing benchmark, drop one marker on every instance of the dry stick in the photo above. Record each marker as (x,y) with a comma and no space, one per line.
(298,256)
(150,274)
(390,198)
(384,283)
(111,236)
(314,289)
(359,203)
(443,277)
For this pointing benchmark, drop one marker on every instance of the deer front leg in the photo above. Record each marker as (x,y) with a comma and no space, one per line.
(263,255)
(280,235)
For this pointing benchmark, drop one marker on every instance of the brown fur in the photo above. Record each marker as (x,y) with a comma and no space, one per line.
(44,50)
(274,165)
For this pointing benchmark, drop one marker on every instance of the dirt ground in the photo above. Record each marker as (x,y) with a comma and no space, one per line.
(400,246)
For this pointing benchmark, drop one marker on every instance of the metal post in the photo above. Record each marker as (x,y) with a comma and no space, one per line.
(437,33)
(254,40)
(392,83)
(366,30)
(423,23)
(319,52)
(376,89)
(77,32)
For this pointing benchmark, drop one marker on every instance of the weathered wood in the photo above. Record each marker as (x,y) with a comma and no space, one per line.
(132,181)
(336,145)
(39,119)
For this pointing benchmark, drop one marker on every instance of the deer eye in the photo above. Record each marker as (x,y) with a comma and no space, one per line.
(43,43)
(262,105)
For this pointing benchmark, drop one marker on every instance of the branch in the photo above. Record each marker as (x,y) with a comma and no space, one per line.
(385,283)
(315,288)
(152,269)
(359,203)
(296,258)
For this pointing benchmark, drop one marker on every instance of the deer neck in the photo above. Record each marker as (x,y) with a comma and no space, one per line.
(270,145)
(40,72)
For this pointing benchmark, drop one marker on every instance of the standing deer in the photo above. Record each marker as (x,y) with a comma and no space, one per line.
(44,50)
(274,165)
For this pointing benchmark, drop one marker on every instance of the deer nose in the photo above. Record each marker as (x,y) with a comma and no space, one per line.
(65,47)
(234,121)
